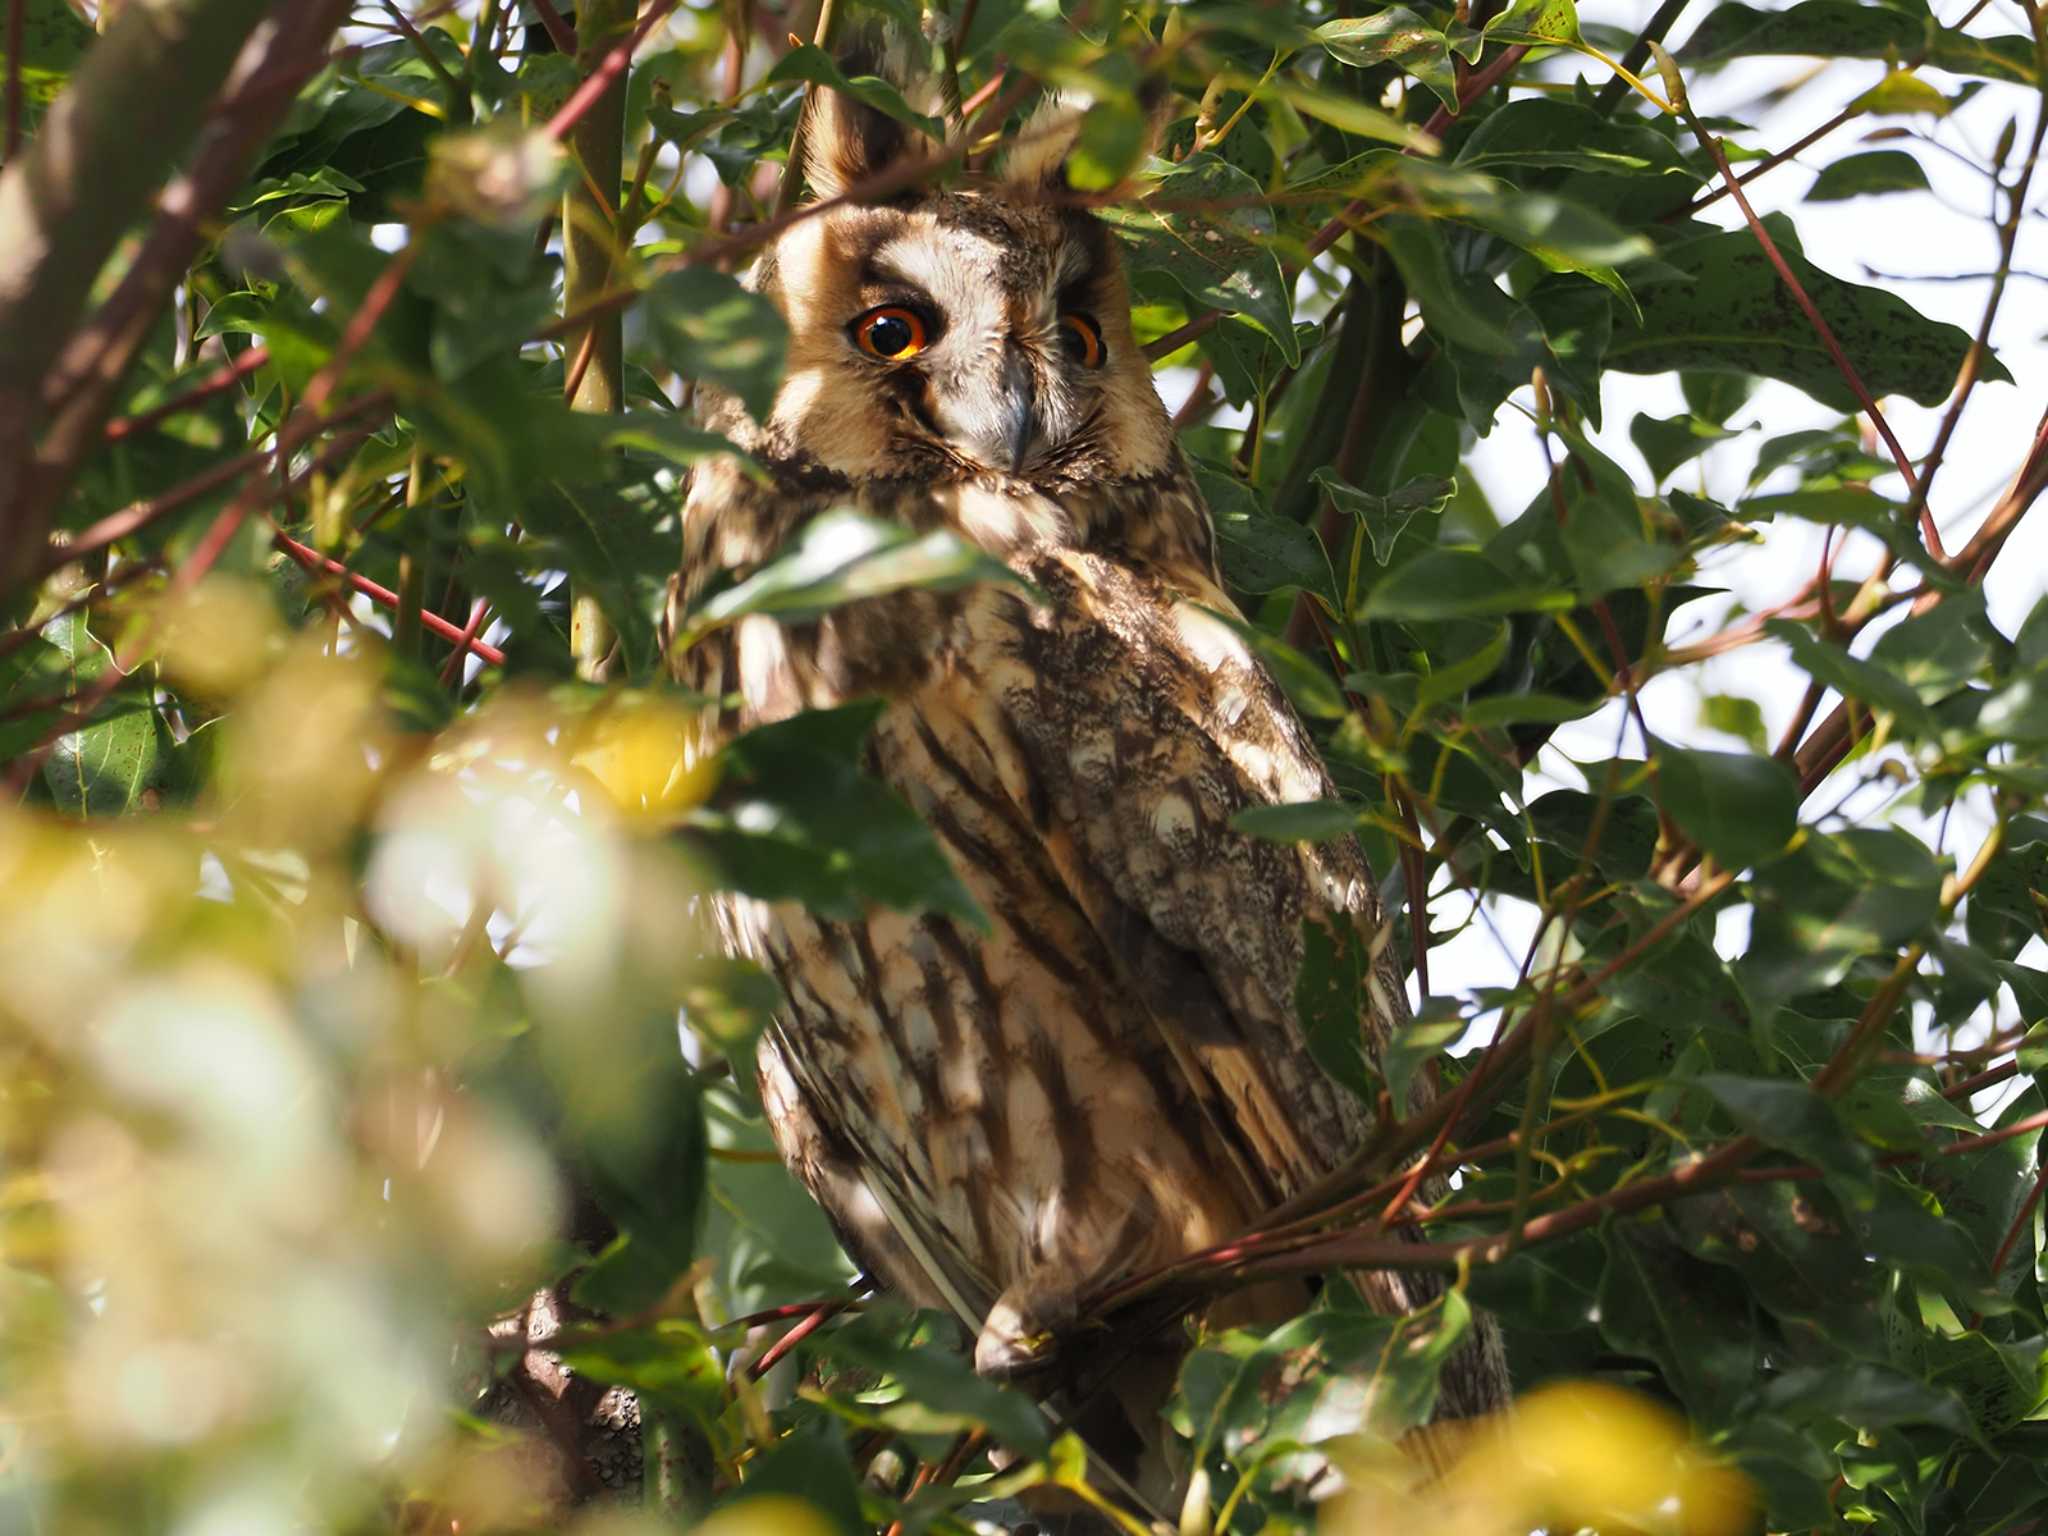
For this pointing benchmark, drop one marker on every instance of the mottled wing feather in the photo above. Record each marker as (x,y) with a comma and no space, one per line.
(1154,727)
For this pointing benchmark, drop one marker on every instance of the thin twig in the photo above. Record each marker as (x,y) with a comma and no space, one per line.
(601,79)
(312,560)
(421,47)
(1928,531)
(559,32)
(217,382)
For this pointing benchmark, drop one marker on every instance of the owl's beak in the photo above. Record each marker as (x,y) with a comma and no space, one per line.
(1020,407)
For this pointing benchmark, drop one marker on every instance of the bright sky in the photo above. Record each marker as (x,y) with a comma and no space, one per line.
(1897,236)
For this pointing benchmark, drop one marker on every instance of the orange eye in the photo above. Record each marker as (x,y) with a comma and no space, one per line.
(1082,338)
(891,333)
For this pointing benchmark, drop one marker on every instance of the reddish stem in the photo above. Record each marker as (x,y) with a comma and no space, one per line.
(214,383)
(452,667)
(773,1355)
(1928,532)
(559,31)
(602,78)
(434,624)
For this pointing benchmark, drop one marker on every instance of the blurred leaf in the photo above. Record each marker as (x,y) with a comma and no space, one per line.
(1302,821)
(53,40)
(814,66)
(841,557)
(707,327)
(941,1395)
(1735,716)
(809,1463)
(796,818)
(647,1172)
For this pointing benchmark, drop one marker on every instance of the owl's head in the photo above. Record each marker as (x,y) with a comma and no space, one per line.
(977,331)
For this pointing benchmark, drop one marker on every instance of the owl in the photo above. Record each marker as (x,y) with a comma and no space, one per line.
(1112,1074)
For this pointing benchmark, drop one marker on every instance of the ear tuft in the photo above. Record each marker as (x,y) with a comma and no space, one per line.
(846,141)
(1038,161)
(1043,158)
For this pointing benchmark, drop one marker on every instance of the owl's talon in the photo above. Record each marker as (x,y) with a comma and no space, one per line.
(1012,1341)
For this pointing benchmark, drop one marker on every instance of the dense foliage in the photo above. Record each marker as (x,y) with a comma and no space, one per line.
(351,864)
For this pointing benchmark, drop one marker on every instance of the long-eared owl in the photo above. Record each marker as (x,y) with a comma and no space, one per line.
(1112,1076)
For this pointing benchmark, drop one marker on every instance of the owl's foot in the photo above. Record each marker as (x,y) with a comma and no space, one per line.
(1021,1332)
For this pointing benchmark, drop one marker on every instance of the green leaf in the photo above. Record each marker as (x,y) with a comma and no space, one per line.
(707,327)
(670,1366)
(814,66)
(1739,806)
(1725,309)
(647,1171)
(1653,1301)
(841,557)
(1536,21)
(1550,133)
(105,768)
(1258,551)
(1217,258)
(1866,175)
(1422,1040)
(673,439)
(1937,652)
(1791,1116)
(1734,715)
(796,819)
(2001,917)
(1385,517)
(1670,441)
(35,686)
(1335,994)
(609,543)
(1853,676)
(1394,36)
(1844,29)
(1301,821)
(1901,93)
(1458,584)
(1526,709)
(1325,1375)
(1451,677)
(53,41)
(1835,899)
(940,1392)
(810,1463)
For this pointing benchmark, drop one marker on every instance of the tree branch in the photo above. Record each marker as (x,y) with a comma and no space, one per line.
(104,145)
(76,384)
